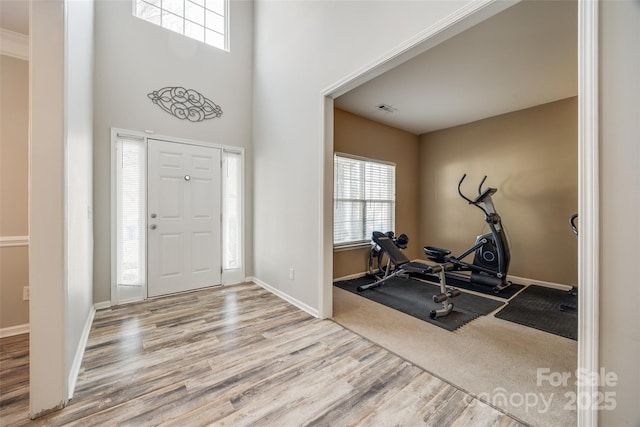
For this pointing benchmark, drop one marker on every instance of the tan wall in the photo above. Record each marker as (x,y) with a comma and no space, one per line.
(14,86)
(363,137)
(14,275)
(531,157)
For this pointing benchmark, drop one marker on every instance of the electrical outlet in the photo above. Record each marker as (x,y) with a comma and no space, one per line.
(26,293)
(291,273)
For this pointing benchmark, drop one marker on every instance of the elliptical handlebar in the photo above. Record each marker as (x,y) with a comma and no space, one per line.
(481,184)
(572,223)
(460,191)
(478,199)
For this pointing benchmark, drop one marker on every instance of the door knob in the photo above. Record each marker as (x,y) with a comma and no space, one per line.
(153,226)
(153,215)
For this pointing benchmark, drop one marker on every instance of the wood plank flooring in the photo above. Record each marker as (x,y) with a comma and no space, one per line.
(236,356)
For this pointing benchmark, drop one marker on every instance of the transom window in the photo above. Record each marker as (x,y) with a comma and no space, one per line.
(363,199)
(203,20)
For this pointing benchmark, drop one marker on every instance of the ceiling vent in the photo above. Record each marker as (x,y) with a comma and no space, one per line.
(386,108)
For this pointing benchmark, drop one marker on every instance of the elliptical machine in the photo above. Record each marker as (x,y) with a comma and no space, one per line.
(491,251)
(572,308)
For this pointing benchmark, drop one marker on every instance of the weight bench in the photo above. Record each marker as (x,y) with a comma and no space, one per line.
(402,265)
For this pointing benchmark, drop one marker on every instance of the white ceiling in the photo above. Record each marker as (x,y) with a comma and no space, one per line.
(14,15)
(524,56)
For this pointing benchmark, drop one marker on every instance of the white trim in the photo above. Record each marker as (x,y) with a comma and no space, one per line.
(102,305)
(113,217)
(525,281)
(14,330)
(460,20)
(125,293)
(363,158)
(352,246)
(302,306)
(236,275)
(14,44)
(325,226)
(514,279)
(13,241)
(350,276)
(588,205)
(77,360)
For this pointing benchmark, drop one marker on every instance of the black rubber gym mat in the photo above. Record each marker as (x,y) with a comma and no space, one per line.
(413,297)
(539,308)
(506,293)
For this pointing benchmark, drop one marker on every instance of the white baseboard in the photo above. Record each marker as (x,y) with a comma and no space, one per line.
(14,330)
(77,360)
(351,276)
(302,306)
(525,281)
(102,305)
(514,279)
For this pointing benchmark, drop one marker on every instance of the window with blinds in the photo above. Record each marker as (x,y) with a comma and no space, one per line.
(363,199)
(130,205)
(232,211)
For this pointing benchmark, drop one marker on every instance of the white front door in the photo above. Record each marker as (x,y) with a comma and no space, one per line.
(183,208)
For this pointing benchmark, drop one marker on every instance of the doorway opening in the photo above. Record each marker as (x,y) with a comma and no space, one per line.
(587,159)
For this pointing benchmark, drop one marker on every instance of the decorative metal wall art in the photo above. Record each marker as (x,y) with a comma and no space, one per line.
(185,104)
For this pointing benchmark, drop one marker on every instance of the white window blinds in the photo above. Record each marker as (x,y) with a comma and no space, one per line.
(364,199)
(131,264)
(232,211)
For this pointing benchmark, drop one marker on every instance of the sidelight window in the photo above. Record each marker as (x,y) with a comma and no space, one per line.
(130,205)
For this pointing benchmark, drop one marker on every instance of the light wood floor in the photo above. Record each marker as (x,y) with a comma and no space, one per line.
(238,355)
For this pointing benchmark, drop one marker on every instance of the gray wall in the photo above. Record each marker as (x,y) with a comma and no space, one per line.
(619,206)
(78,181)
(133,58)
(301,48)
(60,196)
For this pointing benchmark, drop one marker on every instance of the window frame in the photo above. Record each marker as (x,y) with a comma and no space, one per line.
(141,173)
(366,240)
(184,20)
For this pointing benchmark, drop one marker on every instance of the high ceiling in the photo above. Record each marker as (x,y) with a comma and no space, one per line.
(525,56)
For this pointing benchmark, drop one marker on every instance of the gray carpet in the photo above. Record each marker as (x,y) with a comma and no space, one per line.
(413,297)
